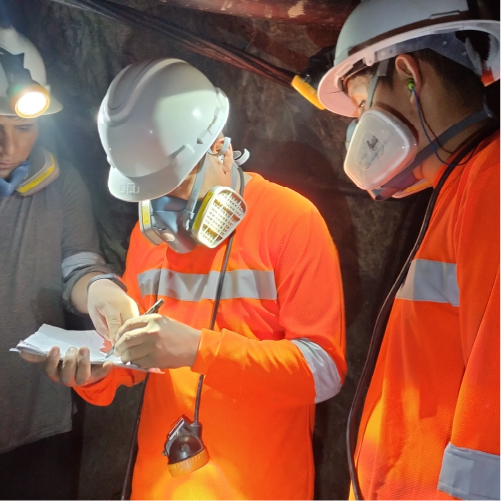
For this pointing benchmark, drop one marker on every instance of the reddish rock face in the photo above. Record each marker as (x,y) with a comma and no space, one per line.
(319,12)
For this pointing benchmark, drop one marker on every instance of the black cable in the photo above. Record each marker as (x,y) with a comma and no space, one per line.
(209,48)
(218,299)
(133,447)
(379,327)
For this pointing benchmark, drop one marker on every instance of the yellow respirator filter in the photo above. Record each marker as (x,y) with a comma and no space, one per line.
(220,213)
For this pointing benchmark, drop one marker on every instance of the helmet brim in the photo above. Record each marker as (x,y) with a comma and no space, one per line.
(330,89)
(134,189)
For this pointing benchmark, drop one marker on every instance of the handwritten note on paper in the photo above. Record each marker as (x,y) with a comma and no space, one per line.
(48,336)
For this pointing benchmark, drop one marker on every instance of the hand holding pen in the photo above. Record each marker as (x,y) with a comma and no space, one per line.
(153,309)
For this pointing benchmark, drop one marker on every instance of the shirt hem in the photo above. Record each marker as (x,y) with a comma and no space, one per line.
(46,433)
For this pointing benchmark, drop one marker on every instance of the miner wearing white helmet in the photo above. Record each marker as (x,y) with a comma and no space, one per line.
(49,250)
(413,73)
(252,310)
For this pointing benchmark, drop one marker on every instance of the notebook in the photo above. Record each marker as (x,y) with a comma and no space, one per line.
(48,336)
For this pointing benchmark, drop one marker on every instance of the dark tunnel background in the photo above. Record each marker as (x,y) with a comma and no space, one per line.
(291,143)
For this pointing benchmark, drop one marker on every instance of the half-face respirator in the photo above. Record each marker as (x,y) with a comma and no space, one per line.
(382,150)
(184,224)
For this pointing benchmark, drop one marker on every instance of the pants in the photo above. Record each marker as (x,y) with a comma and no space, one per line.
(45,469)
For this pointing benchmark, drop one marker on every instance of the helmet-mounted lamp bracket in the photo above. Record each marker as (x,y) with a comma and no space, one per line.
(306,83)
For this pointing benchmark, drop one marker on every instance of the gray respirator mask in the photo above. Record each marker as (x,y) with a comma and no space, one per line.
(185,224)
(382,151)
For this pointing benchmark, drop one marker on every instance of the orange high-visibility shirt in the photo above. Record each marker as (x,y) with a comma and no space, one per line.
(257,409)
(430,426)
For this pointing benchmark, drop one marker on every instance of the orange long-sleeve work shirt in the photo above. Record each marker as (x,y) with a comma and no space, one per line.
(430,426)
(283,283)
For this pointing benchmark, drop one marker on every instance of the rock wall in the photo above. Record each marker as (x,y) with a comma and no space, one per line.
(291,143)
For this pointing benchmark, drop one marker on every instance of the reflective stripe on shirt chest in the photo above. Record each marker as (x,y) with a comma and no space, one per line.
(432,281)
(248,284)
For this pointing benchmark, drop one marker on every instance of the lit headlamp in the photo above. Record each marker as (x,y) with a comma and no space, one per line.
(306,83)
(28,99)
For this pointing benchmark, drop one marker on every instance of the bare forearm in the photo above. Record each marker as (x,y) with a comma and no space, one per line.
(79,292)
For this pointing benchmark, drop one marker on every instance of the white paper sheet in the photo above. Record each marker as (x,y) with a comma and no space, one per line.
(48,336)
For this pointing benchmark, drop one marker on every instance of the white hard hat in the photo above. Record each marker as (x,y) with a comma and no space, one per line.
(381,29)
(156,122)
(15,43)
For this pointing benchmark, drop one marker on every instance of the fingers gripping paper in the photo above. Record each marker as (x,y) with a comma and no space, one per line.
(48,336)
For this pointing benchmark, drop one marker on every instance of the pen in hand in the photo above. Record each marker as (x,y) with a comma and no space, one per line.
(153,309)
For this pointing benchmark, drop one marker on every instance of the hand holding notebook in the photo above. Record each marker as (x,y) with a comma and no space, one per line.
(48,336)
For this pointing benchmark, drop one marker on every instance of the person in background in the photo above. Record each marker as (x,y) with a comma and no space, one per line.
(49,250)
(413,72)
(277,345)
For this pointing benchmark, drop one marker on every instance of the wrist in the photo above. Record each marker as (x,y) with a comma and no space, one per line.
(109,277)
(207,350)
(195,344)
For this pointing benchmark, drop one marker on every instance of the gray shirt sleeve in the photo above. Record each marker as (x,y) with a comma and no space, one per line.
(81,253)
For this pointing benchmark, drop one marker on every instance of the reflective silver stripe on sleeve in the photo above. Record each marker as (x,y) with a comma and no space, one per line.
(469,474)
(431,281)
(323,369)
(80,260)
(249,284)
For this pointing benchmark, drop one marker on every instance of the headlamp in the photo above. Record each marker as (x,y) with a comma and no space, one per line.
(184,448)
(28,99)
(306,83)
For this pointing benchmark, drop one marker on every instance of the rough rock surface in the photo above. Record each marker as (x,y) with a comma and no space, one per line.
(290,142)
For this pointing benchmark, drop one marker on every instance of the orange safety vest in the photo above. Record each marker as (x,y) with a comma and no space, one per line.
(430,426)
(257,409)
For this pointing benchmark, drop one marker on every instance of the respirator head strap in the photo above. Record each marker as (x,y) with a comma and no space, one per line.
(226,145)
(381,71)
(220,154)
(189,211)
(241,157)
(234,176)
(399,181)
